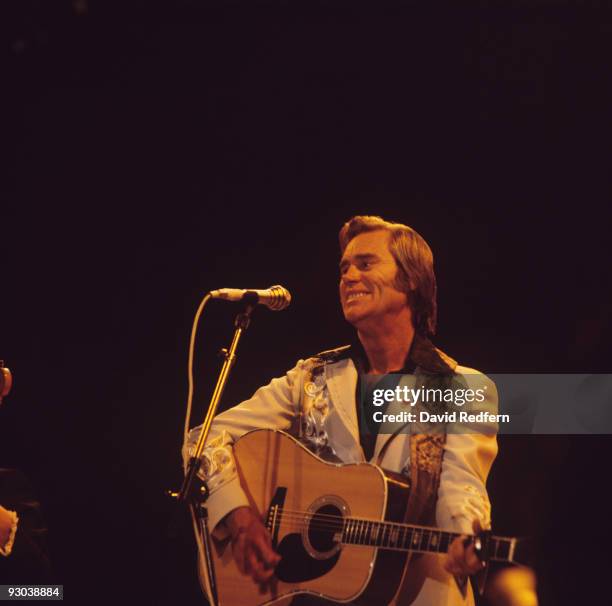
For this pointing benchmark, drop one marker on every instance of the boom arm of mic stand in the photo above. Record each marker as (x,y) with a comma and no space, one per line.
(241,323)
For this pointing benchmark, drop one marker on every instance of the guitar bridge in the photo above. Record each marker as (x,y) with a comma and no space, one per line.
(275,512)
(272,518)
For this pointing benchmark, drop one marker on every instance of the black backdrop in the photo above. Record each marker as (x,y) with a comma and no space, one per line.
(154,151)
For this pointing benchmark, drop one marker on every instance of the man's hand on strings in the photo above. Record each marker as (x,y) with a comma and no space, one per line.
(251,545)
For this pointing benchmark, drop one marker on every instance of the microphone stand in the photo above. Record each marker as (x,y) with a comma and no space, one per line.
(241,323)
(188,492)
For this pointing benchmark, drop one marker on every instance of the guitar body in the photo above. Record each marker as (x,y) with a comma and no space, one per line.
(302,500)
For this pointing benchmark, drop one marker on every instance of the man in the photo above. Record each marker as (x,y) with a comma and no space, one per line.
(388,293)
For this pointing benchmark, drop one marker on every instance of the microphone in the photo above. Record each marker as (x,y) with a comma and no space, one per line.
(274,298)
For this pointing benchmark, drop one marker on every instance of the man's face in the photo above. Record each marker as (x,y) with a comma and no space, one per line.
(367,274)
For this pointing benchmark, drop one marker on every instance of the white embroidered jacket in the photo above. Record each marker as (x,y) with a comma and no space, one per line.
(321,411)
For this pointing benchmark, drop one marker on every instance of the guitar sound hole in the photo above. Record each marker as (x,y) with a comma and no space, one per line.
(324,524)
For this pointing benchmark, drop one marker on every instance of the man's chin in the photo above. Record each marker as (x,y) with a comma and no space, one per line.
(354,317)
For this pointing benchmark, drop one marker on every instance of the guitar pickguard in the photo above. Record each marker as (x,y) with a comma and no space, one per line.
(296,565)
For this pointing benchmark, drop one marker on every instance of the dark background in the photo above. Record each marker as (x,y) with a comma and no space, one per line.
(154,151)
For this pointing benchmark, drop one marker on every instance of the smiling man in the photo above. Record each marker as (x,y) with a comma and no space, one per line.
(388,294)
(373,295)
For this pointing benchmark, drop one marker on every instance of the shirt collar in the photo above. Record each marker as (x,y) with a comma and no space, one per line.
(422,355)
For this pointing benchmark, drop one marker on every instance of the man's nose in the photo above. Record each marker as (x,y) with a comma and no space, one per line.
(352,274)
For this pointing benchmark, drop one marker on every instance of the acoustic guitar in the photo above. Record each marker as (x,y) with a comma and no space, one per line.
(337,527)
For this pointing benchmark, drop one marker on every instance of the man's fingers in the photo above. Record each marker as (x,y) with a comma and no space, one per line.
(476,562)
(253,565)
(462,559)
(455,555)
(253,553)
(257,569)
(263,575)
(239,552)
(266,553)
(467,560)
(472,561)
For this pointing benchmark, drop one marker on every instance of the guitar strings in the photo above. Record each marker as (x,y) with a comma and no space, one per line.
(305,521)
(308,520)
(331,520)
(295,513)
(337,523)
(306,514)
(332,517)
(359,533)
(302,519)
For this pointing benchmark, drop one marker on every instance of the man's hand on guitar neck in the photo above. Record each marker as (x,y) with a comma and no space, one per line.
(251,545)
(461,559)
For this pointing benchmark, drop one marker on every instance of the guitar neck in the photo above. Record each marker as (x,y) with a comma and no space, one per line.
(420,539)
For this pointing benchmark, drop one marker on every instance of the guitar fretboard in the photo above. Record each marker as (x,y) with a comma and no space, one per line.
(405,537)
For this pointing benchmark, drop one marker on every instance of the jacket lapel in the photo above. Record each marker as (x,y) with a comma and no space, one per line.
(341,380)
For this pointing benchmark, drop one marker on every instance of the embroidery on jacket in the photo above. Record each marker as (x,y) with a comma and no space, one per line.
(314,409)
(427,442)
(218,463)
(429,450)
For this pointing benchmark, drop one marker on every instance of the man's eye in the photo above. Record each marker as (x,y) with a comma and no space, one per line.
(365,265)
